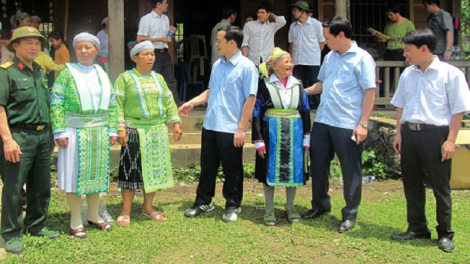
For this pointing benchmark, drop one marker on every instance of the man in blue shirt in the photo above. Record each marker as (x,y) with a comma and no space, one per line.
(347,79)
(231,97)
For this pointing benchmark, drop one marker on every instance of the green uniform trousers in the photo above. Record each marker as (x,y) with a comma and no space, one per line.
(32,170)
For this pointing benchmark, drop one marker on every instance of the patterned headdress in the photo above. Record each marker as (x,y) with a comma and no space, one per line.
(265,68)
(18,16)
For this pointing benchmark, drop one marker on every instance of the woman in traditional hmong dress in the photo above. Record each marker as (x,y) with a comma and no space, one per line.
(281,125)
(145,107)
(84,123)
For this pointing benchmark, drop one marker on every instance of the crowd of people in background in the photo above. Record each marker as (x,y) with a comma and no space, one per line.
(85,113)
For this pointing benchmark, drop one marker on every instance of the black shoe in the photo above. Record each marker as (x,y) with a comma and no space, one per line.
(312,214)
(199,209)
(446,244)
(409,235)
(346,226)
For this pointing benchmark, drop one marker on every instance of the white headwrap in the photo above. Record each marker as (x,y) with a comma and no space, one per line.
(144,45)
(86,37)
(104,20)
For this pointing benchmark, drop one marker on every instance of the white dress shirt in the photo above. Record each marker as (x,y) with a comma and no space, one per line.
(259,38)
(306,42)
(433,96)
(154,26)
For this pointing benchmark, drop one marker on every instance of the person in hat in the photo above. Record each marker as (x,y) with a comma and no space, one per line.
(103,36)
(26,145)
(35,22)
(19,19)
(281,114)
(84,123)
(145,107)
(306,42)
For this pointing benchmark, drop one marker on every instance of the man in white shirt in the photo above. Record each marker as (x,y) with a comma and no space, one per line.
(431,99)
(228,17)
(306,41)
(258,36)
(155,27)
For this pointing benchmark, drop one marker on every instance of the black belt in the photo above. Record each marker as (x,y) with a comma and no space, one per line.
(419,127)
(161,50)
(30,126)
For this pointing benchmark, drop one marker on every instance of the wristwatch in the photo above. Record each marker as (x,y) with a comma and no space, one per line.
(364,124)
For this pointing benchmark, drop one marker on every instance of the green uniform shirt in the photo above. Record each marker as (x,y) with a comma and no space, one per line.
(396,32)
(24,93)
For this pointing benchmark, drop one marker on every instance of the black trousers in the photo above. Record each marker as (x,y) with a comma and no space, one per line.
(325,141)
(308,74)
(218,147)
(164,66)
(421,159)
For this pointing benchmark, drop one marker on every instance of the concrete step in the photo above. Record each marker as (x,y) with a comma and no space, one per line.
(182,155)
(195,138)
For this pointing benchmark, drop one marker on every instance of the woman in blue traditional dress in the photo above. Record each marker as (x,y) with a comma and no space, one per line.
(281,131)
(84,123)
(145,108)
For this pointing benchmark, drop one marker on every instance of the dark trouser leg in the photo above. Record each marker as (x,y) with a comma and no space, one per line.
(14,177)
(232,165)
(38,184)
(164,66)
(308,74)
(413,180)
(210,162)
(321,153)
(349,155)
(438,174)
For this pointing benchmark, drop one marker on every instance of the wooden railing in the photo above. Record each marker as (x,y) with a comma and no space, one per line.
(385,90)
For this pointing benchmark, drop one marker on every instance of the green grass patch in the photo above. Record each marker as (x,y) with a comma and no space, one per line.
(208,239)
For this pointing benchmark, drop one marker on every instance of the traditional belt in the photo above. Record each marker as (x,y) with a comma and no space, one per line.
(419,127)
(282,113)
(78,120)
(143,123)
(161,50)
(39,127)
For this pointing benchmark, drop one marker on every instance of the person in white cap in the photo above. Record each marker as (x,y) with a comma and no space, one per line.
(84,123)
(145,108)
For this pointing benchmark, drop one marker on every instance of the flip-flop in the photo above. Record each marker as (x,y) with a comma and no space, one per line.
(156,216)
(123,220)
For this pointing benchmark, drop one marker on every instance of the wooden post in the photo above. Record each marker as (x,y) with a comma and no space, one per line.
(116,38)
(341,8)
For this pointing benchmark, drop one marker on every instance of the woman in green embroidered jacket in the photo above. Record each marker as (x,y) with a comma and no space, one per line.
(84,123)
(281,129)
(145,107)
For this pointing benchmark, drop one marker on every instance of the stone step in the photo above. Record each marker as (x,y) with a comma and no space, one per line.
(182,155)
(195,138)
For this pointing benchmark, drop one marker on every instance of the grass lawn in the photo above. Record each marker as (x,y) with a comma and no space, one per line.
(208,239)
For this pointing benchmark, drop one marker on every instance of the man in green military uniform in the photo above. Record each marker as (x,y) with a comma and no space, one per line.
(26,144)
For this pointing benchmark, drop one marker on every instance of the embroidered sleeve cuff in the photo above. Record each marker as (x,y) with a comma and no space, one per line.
(307,141)
(176,124)
(121,127)
(259,145)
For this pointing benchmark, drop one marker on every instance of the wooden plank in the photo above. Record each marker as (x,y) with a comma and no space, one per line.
(383,100)
(116,38)
(387,81)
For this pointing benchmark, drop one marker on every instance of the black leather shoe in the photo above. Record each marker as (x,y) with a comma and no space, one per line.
(346,226)
(446,244)
(312,214)
(409,235)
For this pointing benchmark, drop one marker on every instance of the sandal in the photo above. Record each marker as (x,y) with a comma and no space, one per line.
(156,216)
(269,219)
(292,217)
(103,225)
(78,232)
(123,220)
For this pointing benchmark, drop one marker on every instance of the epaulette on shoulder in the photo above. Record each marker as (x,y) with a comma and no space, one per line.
(7,64)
